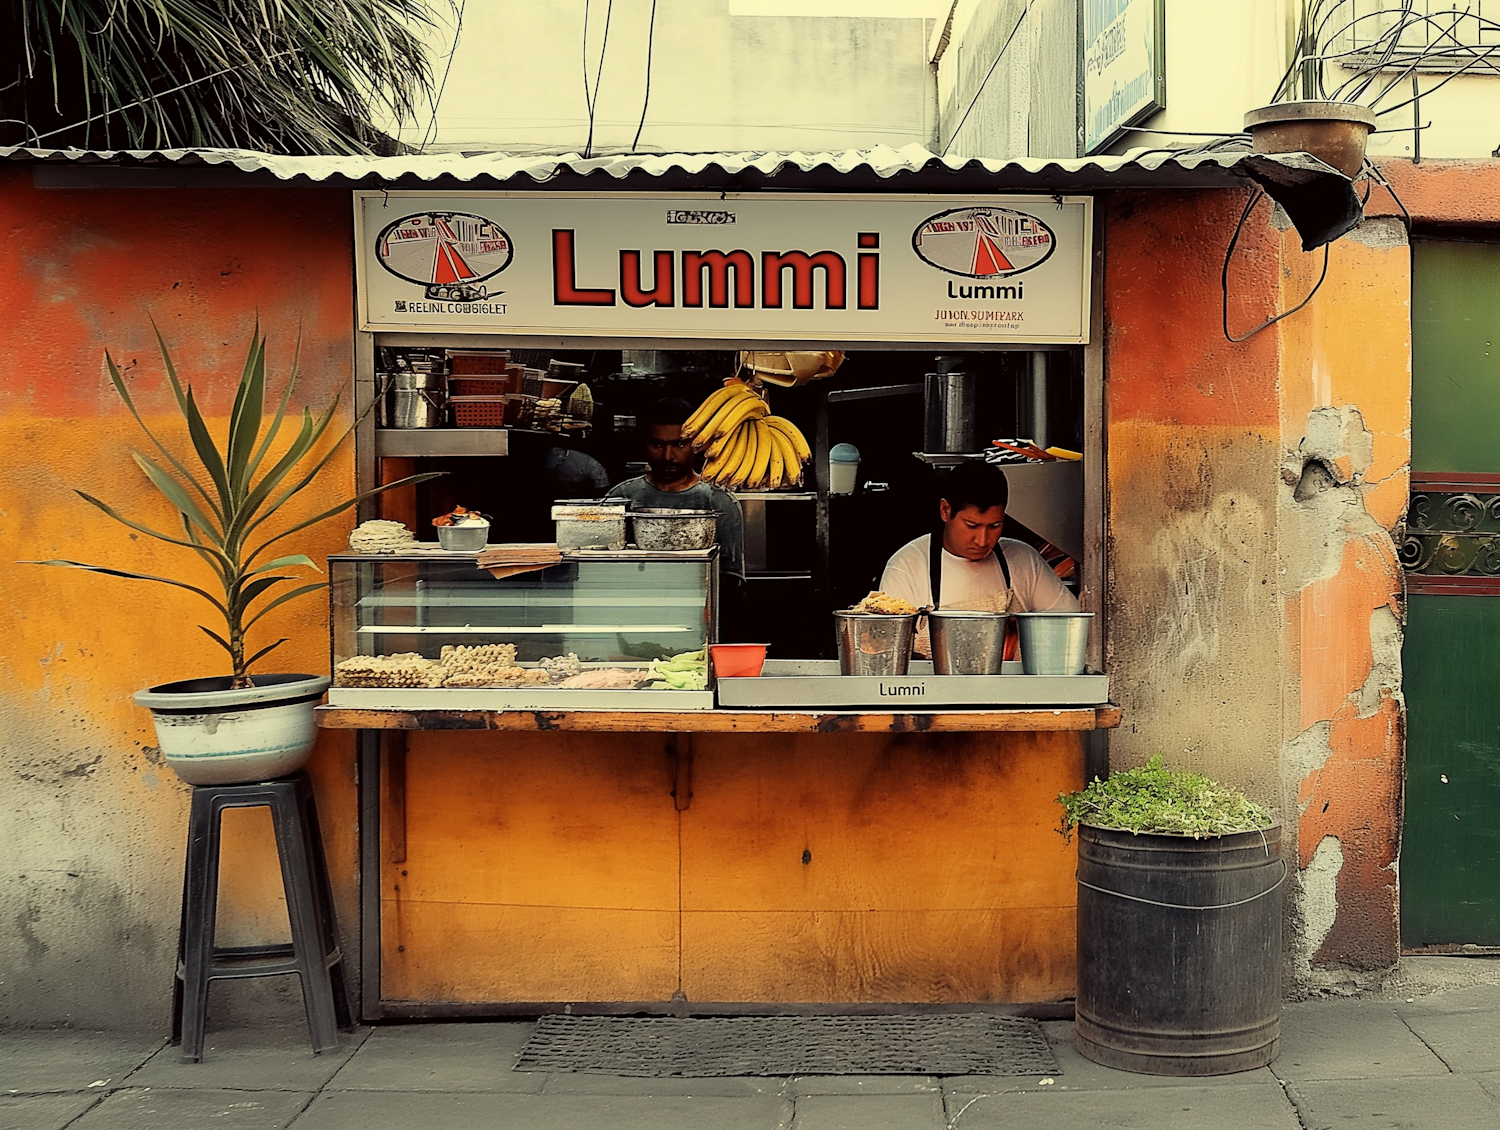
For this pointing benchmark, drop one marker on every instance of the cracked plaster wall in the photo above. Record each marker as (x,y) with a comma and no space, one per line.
(91,849)
(1253,491)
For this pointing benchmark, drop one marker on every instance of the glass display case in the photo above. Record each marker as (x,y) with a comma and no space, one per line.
(431,629)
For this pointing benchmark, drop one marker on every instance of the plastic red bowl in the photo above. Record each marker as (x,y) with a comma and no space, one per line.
(737,660)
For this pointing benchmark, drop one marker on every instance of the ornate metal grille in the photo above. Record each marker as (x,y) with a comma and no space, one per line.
(1450,533)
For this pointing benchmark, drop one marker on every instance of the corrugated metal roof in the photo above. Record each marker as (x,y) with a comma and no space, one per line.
(912,168)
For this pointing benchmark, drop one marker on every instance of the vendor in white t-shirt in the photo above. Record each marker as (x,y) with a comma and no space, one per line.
(977,569)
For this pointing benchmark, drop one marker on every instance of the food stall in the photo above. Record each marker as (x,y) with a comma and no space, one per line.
(565,803)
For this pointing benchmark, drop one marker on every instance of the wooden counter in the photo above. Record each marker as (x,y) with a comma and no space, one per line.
(726,721)
(523,862)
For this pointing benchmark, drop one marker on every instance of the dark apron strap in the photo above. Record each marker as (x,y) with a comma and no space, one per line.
(935,566)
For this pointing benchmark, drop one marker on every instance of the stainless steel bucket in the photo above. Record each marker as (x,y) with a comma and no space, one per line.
(874,645)
(411,400)
(414,408)
(1054,643)
(949,405)
(967,643)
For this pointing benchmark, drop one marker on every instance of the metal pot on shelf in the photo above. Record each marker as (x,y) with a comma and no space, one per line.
(411,400)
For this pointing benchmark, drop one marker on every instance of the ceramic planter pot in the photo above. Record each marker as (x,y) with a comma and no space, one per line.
(211,735)
(1333,132)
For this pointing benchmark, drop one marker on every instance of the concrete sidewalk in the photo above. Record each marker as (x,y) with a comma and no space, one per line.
(1405,1058)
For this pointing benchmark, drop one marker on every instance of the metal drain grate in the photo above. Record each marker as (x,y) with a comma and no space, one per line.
(962,1044)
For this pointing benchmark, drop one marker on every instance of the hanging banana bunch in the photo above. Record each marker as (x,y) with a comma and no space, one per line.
(747,448)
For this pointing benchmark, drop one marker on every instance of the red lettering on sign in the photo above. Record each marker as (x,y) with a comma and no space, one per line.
(802,265)
(631,290)
(718,264)
(565,291)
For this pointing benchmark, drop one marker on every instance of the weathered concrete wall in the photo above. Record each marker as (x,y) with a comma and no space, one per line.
(91,846)
(1254,488)
(719,80)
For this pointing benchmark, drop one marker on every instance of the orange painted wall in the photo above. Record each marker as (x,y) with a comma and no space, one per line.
(96,821)
(1253,491)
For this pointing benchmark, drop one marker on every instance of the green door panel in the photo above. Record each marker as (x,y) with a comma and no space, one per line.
(1455,400)
(1450,851)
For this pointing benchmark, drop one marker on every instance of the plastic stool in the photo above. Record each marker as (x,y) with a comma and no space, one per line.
(313,954)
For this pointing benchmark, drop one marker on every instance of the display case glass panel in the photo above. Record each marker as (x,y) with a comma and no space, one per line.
(615,610)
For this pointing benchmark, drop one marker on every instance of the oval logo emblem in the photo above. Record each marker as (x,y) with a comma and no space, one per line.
(444,251)
(983,243)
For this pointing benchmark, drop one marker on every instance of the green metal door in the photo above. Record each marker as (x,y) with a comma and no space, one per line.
(1450,851)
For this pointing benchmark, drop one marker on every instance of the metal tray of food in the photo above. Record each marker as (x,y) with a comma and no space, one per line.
(817,684)
(517,698)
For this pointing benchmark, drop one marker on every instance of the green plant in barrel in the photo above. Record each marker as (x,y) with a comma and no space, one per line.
(1153,798)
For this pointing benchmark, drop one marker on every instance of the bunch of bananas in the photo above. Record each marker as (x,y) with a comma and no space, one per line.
(747,447)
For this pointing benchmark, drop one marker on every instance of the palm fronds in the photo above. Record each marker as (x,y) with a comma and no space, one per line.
(284,76)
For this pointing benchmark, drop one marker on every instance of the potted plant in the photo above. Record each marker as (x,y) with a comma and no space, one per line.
(1179,924)
(241,726)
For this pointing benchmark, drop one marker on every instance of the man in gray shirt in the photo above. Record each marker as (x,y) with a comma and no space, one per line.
(673,482)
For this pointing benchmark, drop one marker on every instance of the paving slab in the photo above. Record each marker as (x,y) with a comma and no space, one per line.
(1490,1081)
(1076,1073)
(252,1059)
(43,1112)
(1450,1102)
(1230,1106)
(1467,1042)
(870,1112)
(864,1085)
(462,1058)
(366,1110)
(37,1061)
(157,1108)
(1350,1040)
(717,1086)
(1474,998)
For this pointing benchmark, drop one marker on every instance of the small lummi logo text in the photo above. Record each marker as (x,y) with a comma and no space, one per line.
(694,216)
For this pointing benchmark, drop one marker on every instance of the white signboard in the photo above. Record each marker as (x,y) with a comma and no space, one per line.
(1124,80)
(747,267)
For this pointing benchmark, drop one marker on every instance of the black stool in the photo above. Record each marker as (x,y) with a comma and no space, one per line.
(313,954)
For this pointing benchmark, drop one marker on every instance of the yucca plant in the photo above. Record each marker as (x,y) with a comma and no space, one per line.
(224,508)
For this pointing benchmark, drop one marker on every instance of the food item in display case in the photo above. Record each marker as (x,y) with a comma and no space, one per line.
(561,667)
(685,672)
(499,677)
(883,604)
(404,669)
(547,416)
(465,657)
(381,536)
(603,679)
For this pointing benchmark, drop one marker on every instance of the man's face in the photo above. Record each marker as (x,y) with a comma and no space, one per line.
(670,456)
(971,532)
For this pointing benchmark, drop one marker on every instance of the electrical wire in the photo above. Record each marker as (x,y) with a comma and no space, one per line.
(646,101)
(1224,278)
(975,101)
(593,102)
(431,131)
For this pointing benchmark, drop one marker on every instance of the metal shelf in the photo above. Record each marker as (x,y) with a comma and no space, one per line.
(394,443)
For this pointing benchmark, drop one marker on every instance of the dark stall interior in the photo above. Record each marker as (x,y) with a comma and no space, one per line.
(807,551)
